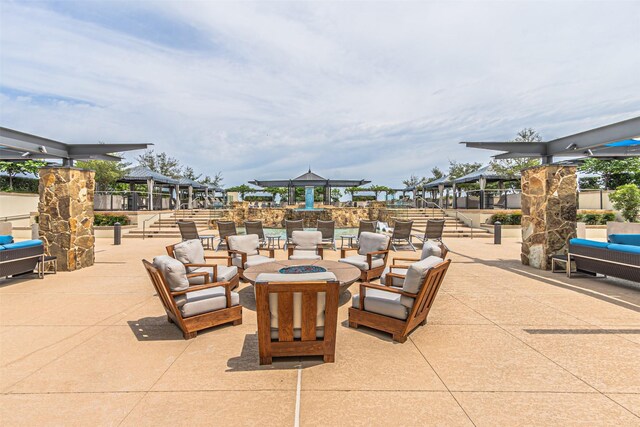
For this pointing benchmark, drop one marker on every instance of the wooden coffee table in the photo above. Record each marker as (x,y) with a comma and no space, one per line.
(345,273)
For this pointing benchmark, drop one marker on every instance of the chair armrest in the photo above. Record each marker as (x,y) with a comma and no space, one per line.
(227,288)
(394,259)
(290,249)
(320,250)
(212,266)
(392,275)
(365,285)
(228,258)
(200,273)
(371,254)
(344,250)
(400,266)
(243,256)
(271,252)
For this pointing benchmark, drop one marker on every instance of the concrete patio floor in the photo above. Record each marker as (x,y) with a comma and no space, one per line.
(504,345)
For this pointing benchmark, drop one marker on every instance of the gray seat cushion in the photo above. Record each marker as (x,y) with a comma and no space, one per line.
(225,274)
(372,242)
(384,303)
(173,272)
(430,248)
(305,254)
(248,244)
(415,277)
(257,260)
(306,243)
(189,252)
(360,261)
(207,300)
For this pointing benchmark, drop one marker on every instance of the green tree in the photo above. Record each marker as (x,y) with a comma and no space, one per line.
(626,199)
(108,172)
(436,173)
(189,173)
(216,181)
(377,189)
(22,166)
(512,167)
(353,190)
(414,181)
(456,169)
(613,173)
(161,163)
(242,190)
(336,194)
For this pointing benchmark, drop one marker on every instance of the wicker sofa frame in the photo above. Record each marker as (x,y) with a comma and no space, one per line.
(623,265)
(21,260)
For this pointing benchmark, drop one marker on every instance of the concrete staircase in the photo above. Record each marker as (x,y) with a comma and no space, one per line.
(452,227)
(165,224)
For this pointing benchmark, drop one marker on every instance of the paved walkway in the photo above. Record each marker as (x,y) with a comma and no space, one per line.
(505,345)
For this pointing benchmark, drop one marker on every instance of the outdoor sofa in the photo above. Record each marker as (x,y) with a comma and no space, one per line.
(620,257)
(19,258)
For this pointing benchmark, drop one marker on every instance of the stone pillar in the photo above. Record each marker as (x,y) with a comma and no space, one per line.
(66,216)
(549,207)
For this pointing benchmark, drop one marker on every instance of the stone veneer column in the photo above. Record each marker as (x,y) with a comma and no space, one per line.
(549,207)
(66,216)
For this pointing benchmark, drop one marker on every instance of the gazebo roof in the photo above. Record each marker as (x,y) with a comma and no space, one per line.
(440,181)
(487,173)
(140,174)
(186,182)
(310,179)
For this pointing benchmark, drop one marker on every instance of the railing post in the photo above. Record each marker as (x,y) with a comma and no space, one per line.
(497,233)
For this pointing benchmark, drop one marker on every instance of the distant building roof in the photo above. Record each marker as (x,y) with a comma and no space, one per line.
(445,180)
(185,182)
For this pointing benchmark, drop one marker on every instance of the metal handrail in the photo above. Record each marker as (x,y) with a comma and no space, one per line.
(15,217)
(144,224)
(458,214)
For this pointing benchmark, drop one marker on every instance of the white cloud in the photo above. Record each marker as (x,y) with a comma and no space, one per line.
(356,90)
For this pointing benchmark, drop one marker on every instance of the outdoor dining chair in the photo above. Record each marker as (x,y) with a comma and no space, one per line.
(328,230)
(245,251)
(226,229)
(306,245)
(371,258)
(402,233)
(433,231)
(191,254)
(255,227)
(291,226)
(189,231)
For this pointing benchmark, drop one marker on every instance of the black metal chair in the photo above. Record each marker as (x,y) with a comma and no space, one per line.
(434,230)
(225,229)
(255,227)
(328,230)
(189,231)
(402,232)
(291,226)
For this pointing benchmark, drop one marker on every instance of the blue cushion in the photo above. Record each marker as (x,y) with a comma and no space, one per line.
(1,248)
(625,239)
(5,238)
(624,248)
(23,244)
(590,243)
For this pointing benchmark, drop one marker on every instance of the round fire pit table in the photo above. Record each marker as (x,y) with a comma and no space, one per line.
(345,273)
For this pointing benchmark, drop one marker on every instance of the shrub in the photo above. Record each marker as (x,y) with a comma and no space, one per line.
(110,220)
(20,185)
(626,199)
(596,217)
(506,218)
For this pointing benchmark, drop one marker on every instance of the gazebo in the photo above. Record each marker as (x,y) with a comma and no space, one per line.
(482,176)
(438,186)
(143,175)
(310,180)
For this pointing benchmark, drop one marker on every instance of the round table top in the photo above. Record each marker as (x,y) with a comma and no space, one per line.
(345,273)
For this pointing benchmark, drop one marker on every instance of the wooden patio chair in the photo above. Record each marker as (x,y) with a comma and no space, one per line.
(192,308)
(371,259)
(291,226)
(255,227)
(328,230)
(399,311)
(399,265)
(306,245)
(294,317)
(225,229)
(433,231)
(191,254)
(189,231)
(402,232)
(245,251)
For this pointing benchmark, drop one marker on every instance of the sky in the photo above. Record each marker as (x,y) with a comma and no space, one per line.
(362,90)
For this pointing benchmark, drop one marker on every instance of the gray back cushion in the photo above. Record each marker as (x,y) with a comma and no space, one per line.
(247,244)
(306,239)
(189,252)
(173,271)
(372,242)
(415,277)
(430,248)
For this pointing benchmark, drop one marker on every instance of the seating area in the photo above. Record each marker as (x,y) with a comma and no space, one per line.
(620,257)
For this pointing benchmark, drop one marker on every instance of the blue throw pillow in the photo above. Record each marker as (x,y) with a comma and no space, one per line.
(5,239)
(589,243)
(625,239)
